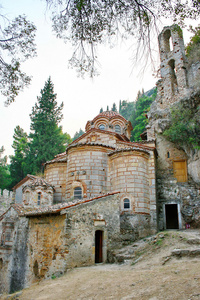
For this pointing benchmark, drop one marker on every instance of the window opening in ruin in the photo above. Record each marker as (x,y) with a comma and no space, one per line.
(168,154)
(78,192)
(35,269)
(98,246)
(168,45)
(126,203)
(180,170)
(39,199)
(102,127)
(1,263)
(171,213)
(117,128)
(172,71)
(8,236)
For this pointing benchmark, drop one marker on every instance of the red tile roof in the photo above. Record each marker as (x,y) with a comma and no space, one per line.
(54,209)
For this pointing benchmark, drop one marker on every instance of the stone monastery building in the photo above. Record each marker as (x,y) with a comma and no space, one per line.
(105,191)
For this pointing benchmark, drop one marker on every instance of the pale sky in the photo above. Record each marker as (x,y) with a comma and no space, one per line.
(83,98)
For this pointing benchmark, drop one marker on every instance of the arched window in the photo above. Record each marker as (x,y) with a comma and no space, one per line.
(126,203)
(102,127)
(117,128)
(39,199)
(78,193)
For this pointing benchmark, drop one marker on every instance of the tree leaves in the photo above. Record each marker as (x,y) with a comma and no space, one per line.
(17,42)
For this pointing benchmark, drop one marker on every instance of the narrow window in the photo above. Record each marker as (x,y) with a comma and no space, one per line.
(39,199)
(168,155)
(173,77)
(102,127)
(78,193)
(27,196)
(117,129)
(126,203)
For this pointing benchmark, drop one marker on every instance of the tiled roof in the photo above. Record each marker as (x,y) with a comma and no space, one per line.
(39,181)
(89,144)
(121,137)
(109,115)
(28,176)
(58,207)
(62,157)
(129,149)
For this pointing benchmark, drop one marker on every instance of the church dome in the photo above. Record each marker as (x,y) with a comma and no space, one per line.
(110,121)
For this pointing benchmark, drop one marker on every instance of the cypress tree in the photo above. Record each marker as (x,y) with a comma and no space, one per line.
(47,138)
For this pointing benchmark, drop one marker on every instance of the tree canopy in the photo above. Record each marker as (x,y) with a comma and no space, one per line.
(4,171)
(18,160)
(16,45)
(89,23)
(46,137)
(138,117)
(193,47)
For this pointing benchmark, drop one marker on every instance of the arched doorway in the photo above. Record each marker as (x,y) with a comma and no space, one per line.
(98,246)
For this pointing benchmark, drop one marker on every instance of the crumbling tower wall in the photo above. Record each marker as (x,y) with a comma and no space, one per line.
(173,68)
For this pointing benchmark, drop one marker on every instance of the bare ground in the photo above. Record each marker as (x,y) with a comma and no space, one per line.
(151,274)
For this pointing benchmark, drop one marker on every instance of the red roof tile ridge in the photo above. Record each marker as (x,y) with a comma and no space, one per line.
(58,207)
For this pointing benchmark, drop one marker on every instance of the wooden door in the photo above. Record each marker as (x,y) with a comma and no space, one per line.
(180,170)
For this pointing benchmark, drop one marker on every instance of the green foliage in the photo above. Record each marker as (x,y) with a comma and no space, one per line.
(138,116)
(193,47)
(17,161)
(17,43)
(126,108)
(185,126)
(78,134)
(46,137)
(114,107)
(101,110)
(4,171)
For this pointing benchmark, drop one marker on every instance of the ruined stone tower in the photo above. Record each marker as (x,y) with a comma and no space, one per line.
(173,67)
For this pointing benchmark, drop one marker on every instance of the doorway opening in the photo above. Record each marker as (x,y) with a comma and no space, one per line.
(171,213)
(98,246)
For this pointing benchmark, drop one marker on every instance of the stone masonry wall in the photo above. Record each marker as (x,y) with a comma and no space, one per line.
(87,165)
(46,247)
(81,224)
(56,175)
(6,198)
(129,174)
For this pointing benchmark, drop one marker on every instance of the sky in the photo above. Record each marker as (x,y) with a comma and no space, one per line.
(119,78)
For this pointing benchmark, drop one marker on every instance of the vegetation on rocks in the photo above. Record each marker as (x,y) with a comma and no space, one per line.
(184,129)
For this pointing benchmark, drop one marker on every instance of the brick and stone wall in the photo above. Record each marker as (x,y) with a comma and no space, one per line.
(87,165)
(6,198)
(56,174)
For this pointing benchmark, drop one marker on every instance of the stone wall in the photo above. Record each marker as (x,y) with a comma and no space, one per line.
(56,174)
(40,196)
(87,165)
(6,198)
(46,248)
(13,252)
(82,223)
(60,242)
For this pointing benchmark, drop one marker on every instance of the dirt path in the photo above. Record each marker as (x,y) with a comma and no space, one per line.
(177,280)
(148,279)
